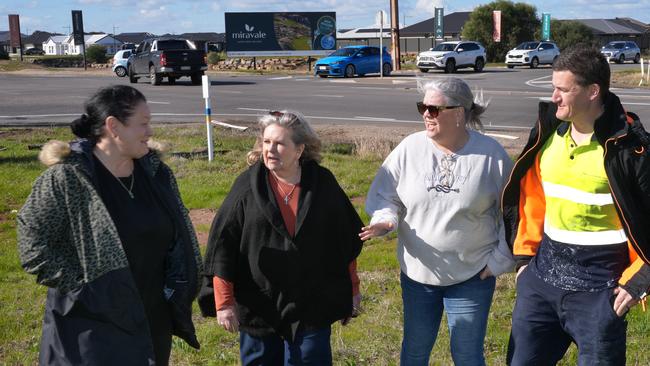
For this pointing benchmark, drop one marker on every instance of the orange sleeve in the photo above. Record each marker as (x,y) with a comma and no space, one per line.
(354,277)
(224,293)
(532,208)
(635,265)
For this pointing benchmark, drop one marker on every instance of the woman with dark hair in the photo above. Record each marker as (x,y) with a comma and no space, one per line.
(280,264)
(440,188)
(105,229)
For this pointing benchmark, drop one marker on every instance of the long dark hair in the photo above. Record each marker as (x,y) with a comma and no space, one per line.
(118,101)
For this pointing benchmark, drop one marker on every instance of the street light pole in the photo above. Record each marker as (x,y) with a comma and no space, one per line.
(394,34)
(114,45)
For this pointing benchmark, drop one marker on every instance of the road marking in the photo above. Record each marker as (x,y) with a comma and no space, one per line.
(42,115)
(401,81)
(507,137)
(153,102)
(635,103)
(328,96)
(343,81)
(254,109)
(540,82)
(229,91)
(374,118)
(281,78)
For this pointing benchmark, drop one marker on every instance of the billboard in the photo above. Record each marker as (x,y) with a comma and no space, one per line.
(280,34)
(440,25)
(546,26)
(14,31)
(78,27)
(496,31)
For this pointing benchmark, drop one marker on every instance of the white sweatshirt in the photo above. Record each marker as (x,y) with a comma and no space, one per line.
(446,208)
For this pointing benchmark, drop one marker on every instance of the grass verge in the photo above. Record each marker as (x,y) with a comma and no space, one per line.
(372,339)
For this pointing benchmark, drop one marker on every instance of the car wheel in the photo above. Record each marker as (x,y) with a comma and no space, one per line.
(511,66)
(534,63)
(479,64)
(637,58)
(322,75)
(450,66)
(349,71)
(196,78)
(120,71)
(386,69)
(154,78)
(621,59)
(132,78)
(171,80)
(424,70)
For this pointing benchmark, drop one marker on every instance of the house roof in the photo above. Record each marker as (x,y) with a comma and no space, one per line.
(633,23)
(453,24)
(205,36)
(608,26)
(56,39)
(38,37)
(134,37)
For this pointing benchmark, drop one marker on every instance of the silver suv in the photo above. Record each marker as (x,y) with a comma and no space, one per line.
(621,51)
(451,56)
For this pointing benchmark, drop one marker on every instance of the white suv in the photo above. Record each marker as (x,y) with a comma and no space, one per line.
(532,54)
(621,51)
(453,55)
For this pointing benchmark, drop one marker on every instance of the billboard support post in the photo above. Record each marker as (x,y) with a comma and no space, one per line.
(205,81)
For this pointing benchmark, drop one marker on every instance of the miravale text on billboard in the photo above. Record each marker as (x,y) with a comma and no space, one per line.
(280,34)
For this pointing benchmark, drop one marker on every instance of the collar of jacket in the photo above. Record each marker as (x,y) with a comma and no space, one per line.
(611,124)
(263,195)
(81,155)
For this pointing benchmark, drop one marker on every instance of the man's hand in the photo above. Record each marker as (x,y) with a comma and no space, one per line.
(227,318)
(623,302)
(485,273)
(375,230)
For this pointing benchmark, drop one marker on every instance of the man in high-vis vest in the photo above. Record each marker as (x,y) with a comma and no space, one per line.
(577,214)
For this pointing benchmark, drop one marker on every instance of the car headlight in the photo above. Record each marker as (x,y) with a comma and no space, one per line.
(337,63)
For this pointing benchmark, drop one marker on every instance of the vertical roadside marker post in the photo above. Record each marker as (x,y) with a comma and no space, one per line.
(641,82)
(208,125)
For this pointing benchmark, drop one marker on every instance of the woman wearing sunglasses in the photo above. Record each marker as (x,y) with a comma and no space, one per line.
(281,251)
(440,188)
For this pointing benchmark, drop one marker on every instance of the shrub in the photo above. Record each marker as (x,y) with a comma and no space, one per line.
(3,54)
(96,54)
(214,58)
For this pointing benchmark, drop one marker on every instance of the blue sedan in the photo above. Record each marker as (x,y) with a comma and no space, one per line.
(353,60)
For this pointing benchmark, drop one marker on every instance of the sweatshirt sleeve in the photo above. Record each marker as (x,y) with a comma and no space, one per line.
(501,259)
(383,203)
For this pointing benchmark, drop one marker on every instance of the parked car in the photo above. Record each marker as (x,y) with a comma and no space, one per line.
(167,57)
(120,61)
(532,54)
(354,60)
(621,51)
(451,56)
(34,51)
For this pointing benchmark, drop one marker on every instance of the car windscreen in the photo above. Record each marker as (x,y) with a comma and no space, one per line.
(527,46)
(617,46)
(173,45)
(444,47)
(345,52)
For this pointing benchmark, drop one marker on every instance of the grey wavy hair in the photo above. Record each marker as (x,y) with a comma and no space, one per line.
(301,133)
(457,92)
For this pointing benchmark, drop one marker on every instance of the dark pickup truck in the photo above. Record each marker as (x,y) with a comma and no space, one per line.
(166,57)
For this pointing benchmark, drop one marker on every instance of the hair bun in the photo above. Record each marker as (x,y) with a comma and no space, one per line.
(81,126)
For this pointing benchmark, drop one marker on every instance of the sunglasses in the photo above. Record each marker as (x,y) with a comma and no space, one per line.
(434,110)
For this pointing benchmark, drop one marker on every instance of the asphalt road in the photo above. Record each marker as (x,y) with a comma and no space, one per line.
(513,95)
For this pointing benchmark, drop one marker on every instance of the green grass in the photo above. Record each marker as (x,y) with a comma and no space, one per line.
(371,339)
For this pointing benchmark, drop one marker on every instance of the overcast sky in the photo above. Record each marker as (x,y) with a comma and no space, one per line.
(175,16)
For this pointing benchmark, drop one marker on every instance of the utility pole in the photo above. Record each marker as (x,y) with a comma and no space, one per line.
(394,34)
(114,46)
(68,28)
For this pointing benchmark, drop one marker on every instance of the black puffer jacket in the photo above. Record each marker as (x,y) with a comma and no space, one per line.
(283,282)
(66,237)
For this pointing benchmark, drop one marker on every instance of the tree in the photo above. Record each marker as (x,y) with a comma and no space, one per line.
(518,24)
(96,54)
(566,33)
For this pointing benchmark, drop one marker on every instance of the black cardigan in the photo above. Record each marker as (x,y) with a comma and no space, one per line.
(283,282)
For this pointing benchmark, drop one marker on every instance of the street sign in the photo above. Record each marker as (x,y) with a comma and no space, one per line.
(440,26)
(546,26)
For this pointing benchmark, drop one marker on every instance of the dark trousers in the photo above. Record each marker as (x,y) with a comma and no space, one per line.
(547,319)
(310,347)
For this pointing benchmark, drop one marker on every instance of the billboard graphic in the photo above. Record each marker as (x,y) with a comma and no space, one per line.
(78,27)
(440,25)
(14,31)
(280,34)
(496,32)
(546,26)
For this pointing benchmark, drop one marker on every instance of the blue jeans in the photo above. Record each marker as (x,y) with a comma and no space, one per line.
(467,305)
(309,348)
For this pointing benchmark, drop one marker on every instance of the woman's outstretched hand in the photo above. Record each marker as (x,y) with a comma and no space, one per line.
(227,318)
(375,230)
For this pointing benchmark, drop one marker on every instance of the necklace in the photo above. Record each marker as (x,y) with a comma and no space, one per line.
(128,190)
(287,196)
